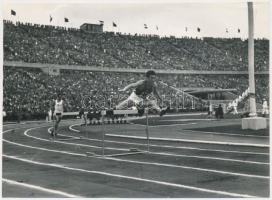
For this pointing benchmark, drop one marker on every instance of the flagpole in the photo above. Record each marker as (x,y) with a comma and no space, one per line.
(114,25)
(72,24)
(13,13)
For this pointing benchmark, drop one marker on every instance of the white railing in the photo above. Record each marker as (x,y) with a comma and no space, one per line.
(239,99)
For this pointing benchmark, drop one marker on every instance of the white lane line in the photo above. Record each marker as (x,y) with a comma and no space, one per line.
(26,122)
(13,129)
(213,133)
(9,123)
(185,120)
(131,178)
(163,125)
(211,158)
(185,114)
(177,147)
(67,143)
(190,168)
(172,125)
(156,153)
(181,155)
(145,163)
(193,141)
(232,134)
(39,188)
(43,149)
(72,129)
(69,137)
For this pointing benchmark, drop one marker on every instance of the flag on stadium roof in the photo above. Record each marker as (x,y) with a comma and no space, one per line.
(186,29)
(157,27)
(145,26)
(114,25)
(227,30)
(13,12)
(66,19)
(101,22)
(198,29)
(238,30)
(50,18)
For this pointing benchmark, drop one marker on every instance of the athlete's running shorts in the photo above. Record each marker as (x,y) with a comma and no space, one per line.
(135,98)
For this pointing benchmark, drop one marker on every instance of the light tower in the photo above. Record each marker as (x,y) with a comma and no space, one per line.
(251,78)
(252,122)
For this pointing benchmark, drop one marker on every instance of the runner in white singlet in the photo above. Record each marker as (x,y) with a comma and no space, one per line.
(58,112)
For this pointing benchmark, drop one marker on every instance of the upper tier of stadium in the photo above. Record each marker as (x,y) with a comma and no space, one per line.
(34,43)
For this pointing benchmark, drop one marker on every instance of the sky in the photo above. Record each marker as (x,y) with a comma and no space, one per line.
(165,18)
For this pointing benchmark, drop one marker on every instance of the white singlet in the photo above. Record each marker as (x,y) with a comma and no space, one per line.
(59,106)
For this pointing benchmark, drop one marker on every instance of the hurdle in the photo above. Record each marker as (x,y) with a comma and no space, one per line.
(132,151)
(86,132)
(103,113)
(146,128)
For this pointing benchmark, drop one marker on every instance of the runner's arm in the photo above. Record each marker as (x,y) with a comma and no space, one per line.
(132,85)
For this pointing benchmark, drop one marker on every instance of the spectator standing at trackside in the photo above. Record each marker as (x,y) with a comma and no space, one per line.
(210,112)
(19,113)
(234,104)
(83,115)
(265,108)
(219,112)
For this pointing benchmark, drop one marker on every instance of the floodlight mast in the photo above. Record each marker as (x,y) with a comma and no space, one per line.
(251,78)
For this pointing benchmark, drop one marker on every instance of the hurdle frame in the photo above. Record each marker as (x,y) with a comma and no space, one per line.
(103,113)
(147,128)
(115,112)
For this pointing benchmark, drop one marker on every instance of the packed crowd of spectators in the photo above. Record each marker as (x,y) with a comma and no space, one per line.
(31,90)
(58,45)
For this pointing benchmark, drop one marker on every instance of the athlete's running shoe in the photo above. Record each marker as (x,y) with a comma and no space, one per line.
(52,132)
(163,111)
(141,112)
(109,112)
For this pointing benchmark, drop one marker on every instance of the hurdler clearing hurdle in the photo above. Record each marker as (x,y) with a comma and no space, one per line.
(139,96)
(143,88)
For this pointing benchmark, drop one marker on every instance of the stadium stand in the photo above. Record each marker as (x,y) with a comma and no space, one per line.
(29,90)
(58,45)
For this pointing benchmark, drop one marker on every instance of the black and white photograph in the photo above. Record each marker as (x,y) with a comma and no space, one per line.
(135,99)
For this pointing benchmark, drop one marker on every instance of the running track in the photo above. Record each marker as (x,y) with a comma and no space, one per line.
(181,163)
